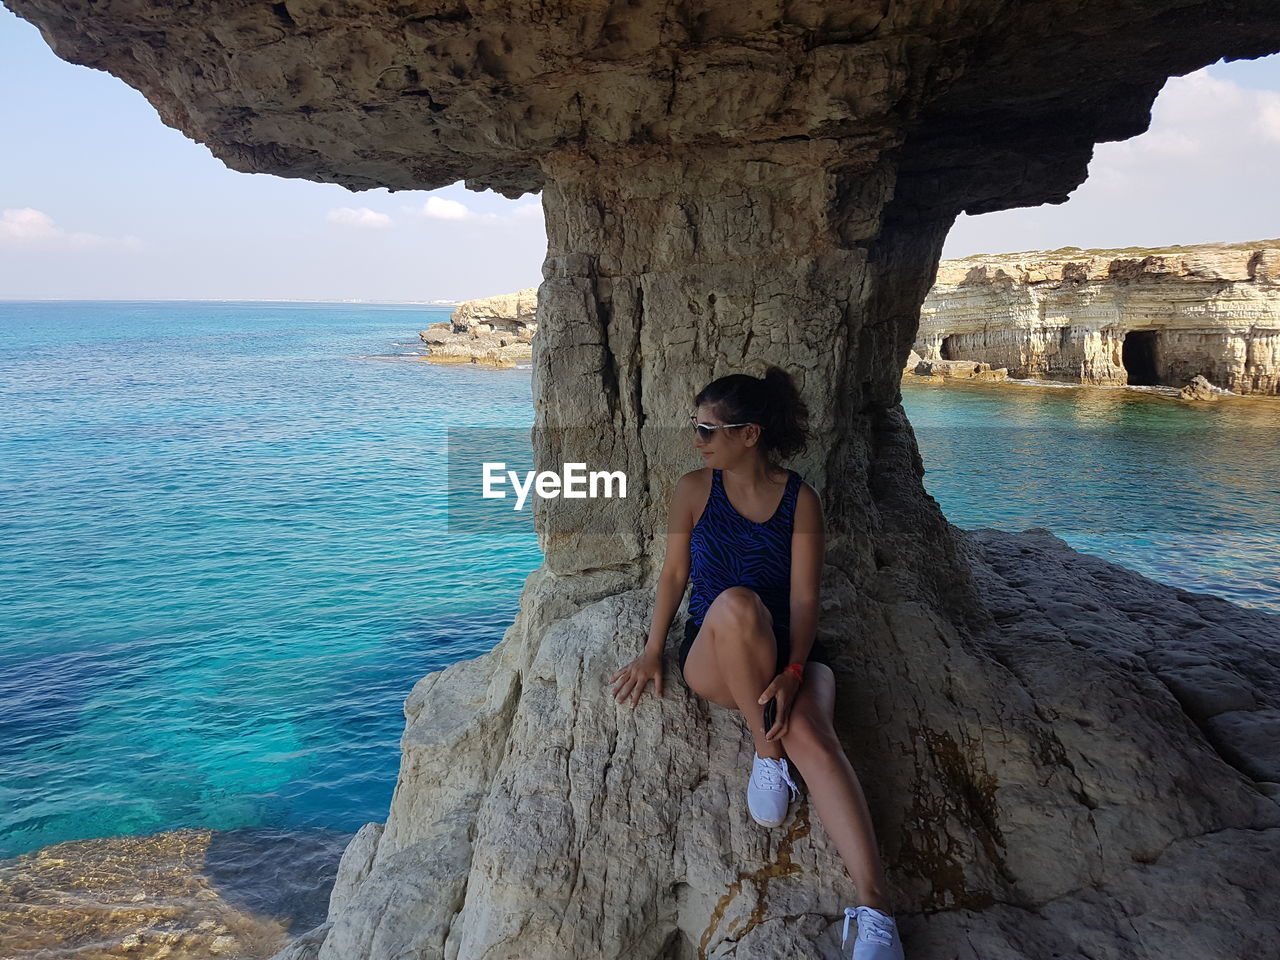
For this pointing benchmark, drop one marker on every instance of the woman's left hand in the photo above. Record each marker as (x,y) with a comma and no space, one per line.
(785,686)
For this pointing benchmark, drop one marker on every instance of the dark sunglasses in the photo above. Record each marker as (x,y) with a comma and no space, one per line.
(708,430)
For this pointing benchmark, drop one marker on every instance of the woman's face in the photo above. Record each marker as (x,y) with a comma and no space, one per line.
(723,447)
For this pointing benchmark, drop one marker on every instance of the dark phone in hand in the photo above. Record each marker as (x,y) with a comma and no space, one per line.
(770,714)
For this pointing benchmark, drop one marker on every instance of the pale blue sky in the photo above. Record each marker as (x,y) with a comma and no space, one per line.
(99,199)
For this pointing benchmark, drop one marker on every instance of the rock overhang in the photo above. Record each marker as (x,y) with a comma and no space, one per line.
(983,105)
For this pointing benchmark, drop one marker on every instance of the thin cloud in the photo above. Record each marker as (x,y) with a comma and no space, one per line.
(1205,117)
(361,217)
(1269,118)
(527,211)
(438,208)
(28,227)
(455,211)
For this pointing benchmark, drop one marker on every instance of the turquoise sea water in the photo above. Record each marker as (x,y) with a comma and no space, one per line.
(224,559)
(1184,493)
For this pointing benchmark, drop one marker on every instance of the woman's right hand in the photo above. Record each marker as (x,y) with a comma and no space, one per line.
(630,681)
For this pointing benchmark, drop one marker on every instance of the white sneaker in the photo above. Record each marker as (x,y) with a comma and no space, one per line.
(770,791)
(877,934)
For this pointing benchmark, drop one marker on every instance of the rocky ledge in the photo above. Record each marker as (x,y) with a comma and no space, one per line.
(940,370)
(535,817)
(493,331)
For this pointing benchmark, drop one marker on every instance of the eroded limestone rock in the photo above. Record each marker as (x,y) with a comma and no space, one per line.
(506,313)
(494,331)
(598,830)
(1114,316)
(1200,389)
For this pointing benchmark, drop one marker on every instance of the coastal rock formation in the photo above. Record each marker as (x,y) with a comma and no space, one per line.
(494,331)
(726,186)
(514,313)
(1111,317)
(533,814)
(1140,317)
(958,370)
(1200,389)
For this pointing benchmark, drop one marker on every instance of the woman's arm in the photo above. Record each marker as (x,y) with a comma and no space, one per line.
(630,681)
(808,548)
(675,565)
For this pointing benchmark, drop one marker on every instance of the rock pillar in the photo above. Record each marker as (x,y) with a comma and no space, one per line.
(665,272)
(535,817)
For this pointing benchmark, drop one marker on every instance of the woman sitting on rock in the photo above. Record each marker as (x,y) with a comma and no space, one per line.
(751,533)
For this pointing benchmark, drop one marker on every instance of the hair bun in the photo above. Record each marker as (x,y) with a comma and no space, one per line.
(773,401)
(775,374)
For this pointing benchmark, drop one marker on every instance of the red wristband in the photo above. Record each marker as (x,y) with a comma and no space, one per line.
(798,668)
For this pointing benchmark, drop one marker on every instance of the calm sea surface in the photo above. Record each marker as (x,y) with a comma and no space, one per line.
(224,560)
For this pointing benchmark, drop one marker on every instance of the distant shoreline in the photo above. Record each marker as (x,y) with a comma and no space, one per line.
(407,303)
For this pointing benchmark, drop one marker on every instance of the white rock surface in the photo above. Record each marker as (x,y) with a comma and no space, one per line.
(534,817)
(508,312)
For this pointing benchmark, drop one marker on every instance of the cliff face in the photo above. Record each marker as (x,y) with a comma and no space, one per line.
(728,186)
(1114,316)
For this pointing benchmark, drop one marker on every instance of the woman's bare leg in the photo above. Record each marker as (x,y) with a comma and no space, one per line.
(733,659)
(811,743)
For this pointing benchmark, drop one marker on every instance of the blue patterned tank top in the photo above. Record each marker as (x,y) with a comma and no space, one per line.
(728,550)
